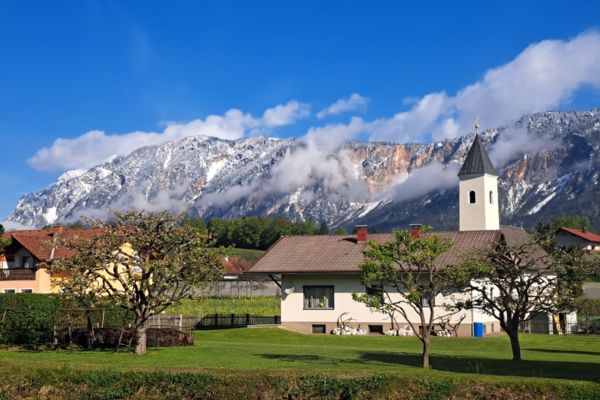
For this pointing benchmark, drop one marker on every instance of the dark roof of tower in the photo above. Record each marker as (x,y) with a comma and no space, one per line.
(477,161)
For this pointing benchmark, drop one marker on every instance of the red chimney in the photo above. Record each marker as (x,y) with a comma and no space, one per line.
(362,234)
(415,230)
(57,230)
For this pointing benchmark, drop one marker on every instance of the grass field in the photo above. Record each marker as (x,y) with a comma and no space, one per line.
(276,364)
(248,254)
(265,306)
(557,357)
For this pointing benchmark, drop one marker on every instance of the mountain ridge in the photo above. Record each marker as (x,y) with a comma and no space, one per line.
(549,166)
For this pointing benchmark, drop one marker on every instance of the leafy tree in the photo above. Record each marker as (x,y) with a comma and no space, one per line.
(588,307)
(3,242)
(515,283)
(323,228)
(143,262)
(340,231)
(409,277)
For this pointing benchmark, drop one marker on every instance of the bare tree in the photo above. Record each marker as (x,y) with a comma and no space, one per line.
(143,262)
(407,273)
(515,283)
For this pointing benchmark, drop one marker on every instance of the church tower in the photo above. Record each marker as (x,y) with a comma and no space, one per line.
(478,190)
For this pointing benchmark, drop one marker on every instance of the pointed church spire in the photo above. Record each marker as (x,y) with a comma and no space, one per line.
(477,162)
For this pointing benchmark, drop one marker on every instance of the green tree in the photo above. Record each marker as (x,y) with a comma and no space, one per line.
(3,242)
(514,283)
(143,262)
(411,280)
(340,231)
(323,228)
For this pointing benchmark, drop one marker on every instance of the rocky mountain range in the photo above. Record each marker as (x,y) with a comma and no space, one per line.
(549,165)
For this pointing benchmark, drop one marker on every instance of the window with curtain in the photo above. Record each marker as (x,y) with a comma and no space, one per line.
(318,297)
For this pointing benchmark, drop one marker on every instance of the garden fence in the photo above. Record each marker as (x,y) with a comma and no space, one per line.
(548,328)
(211,321)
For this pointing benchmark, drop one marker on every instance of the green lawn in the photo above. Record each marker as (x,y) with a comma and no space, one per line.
(266,306)
(274,350)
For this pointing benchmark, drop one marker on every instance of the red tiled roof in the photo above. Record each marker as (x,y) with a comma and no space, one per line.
(40,242)
(305,254)
(235,265)
(589,236)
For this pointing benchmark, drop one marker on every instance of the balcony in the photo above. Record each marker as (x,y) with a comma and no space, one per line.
(17,274)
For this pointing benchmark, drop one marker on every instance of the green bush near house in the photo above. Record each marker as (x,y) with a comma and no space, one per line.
(263,306)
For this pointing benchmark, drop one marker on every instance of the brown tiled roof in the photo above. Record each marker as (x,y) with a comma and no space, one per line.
(305,254)
(39,242)
(589,236)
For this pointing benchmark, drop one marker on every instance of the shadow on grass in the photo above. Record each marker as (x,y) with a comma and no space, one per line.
(572,370)
(583,352)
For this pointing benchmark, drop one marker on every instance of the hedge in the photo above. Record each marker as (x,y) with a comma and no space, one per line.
(103,384)
(28,318)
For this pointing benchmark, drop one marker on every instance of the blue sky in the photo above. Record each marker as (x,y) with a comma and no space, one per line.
(71,67)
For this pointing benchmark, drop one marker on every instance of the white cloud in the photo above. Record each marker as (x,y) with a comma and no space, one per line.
(544,76)
(512,143)
(285,114)
(434,176)
(316,159)
(95,147)
(352,103)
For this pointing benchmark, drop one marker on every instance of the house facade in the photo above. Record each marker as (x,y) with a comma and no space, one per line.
(319,274)
(579,238)
(23,265)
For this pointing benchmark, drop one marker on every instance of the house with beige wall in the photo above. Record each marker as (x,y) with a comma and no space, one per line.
(319,274)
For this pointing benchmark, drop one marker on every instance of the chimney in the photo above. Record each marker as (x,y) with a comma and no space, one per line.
(584,229)
(362,234)
(57,230)
(415,230)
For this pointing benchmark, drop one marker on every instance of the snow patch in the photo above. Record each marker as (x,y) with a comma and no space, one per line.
(541,204)
(72,174)
(213,169)
(367,208)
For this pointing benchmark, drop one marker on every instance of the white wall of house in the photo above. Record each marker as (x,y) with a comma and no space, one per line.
(293,310)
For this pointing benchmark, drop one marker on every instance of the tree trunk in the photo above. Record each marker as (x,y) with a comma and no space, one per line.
(140,340)
(515,345)
(425,355)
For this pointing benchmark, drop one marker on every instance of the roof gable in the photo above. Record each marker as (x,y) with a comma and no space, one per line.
(589,236)
(342,254)
(44,245)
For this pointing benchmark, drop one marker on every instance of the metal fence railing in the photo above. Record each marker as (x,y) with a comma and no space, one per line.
(549,328)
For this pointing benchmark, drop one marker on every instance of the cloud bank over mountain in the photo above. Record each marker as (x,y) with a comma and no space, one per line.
(543,76)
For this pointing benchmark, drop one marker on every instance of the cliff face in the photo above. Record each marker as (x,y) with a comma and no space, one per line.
(552,172)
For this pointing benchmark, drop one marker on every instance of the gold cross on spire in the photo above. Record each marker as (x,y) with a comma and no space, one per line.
(477,125)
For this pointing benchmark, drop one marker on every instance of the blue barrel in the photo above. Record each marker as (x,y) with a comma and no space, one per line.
(478,329)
